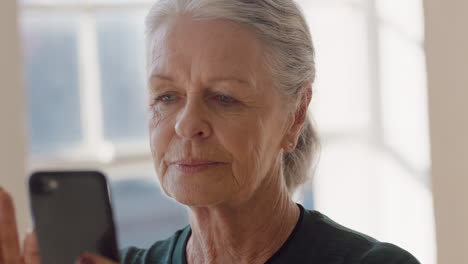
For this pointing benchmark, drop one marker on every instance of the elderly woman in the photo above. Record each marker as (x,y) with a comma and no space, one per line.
(230,83)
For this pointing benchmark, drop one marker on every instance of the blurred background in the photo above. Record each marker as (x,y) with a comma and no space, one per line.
(83,106)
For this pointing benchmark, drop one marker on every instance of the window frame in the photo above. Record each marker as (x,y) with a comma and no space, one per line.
(94,150)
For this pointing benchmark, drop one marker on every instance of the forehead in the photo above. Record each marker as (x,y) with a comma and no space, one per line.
(192,48)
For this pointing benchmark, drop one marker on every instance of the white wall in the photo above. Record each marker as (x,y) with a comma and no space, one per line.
(447,63)
(12,113)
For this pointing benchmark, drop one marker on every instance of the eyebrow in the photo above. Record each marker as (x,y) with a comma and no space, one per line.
(211,80)
(161,76)
(229,79)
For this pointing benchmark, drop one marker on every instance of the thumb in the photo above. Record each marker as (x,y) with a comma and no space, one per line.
(89,258)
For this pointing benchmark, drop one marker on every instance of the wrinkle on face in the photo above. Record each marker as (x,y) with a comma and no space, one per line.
(196,61)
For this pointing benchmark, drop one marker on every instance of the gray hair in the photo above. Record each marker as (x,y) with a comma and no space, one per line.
(290,58)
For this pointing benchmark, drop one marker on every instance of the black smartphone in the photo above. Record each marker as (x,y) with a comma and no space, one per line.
(72,214)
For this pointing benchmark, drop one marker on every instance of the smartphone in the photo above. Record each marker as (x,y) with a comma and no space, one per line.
(72,214)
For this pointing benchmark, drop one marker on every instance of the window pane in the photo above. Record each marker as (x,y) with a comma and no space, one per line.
(409,21)
(122,65)
(404,107)
(341,101)
(51,77)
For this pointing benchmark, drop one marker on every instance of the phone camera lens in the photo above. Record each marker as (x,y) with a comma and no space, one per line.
(52,185)
(44,185)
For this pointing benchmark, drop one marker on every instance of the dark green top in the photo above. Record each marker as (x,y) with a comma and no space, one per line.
(316,239)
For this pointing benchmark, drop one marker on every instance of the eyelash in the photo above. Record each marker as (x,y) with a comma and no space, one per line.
(161,98)
(224,99)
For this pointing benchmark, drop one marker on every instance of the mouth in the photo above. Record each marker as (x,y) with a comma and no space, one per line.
(195,166)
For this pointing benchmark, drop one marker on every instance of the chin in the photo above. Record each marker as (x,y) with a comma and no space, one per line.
(204,189)
(199,194)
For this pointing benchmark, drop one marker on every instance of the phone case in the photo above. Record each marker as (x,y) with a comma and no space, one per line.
(72,215)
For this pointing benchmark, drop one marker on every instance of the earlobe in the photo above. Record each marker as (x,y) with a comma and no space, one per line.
(289,146)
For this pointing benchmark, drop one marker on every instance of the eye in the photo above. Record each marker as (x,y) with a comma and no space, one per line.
(167,98)
(225,99)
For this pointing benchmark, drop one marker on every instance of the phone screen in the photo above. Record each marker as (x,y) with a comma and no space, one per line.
(72,215)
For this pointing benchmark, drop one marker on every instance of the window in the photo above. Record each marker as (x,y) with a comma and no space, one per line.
(84,68)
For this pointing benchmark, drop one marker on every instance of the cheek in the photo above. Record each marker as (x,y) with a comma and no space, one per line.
(243,139)
(254,142)
(160,133)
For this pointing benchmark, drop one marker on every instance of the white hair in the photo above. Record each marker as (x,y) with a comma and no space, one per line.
(281,26)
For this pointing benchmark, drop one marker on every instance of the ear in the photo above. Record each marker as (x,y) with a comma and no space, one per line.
(299,118)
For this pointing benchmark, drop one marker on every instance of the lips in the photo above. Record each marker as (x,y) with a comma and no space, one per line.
(194,166)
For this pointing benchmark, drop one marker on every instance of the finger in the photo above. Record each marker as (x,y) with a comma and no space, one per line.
(8,230)
(31,249)
(89,258)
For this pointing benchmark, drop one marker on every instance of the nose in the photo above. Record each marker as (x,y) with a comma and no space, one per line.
(192,123)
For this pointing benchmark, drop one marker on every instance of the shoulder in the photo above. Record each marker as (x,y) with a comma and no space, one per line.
(344,245)
(387,253)
(159,252)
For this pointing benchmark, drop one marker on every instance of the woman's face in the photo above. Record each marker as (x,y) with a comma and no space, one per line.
(217,126)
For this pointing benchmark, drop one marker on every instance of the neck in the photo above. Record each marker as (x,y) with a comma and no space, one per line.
(248,232)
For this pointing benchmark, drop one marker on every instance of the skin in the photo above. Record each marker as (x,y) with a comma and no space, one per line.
(10,250)
(210,100)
